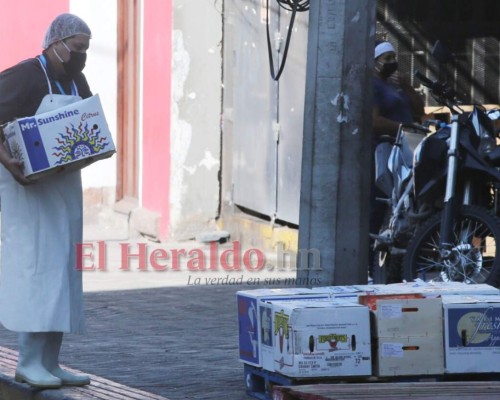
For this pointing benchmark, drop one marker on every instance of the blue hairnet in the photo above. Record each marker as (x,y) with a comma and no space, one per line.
(63,27)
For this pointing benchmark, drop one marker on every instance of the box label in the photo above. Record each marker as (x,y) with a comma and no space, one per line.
(478,327)
(391,311)
(391,350)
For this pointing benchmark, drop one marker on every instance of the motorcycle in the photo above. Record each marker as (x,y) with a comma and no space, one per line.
(442,192)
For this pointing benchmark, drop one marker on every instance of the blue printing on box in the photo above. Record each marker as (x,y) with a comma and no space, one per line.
(245,305)
(474,327)
(33,142)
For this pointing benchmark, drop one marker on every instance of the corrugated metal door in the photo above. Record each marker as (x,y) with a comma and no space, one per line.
(268,115)
(255,112)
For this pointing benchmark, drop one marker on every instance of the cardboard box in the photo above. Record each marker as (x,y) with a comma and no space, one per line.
(404,318)
(321,339)
(409,356)
(255,322)
(471,334)
(68,138)
(408,336)
(429,289)
(419,287)
(371,300)
(349,291)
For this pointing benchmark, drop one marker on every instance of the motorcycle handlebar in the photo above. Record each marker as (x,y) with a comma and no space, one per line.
(425,81)
(437,88)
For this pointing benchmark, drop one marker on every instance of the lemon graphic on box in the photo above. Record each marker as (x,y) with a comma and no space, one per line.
(79,142)
(474,327)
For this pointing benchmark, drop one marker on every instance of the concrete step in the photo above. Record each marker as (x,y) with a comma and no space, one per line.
(99,388)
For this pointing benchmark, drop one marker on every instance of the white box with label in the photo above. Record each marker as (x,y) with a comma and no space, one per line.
(409,356)
(321,338)
(409,318)
(409,337)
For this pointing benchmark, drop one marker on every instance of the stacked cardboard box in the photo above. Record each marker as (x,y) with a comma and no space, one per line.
(255,322)
(472,334)
(321,338)
(407,336)
(409,329)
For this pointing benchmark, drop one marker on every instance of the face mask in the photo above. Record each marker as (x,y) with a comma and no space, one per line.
(387,69)
(75,64)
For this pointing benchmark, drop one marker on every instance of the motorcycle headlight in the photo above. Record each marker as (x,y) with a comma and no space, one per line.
(494,114)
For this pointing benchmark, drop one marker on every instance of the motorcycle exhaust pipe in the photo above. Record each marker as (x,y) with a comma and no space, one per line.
(421,215)
(383,200)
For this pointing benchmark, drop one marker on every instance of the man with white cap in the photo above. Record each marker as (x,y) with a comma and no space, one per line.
(40,287)
(394,102)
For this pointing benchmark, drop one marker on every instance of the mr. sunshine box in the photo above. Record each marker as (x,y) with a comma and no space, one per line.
(68,138)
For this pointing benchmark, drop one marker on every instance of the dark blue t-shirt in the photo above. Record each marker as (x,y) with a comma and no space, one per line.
(23,86)
(392,103)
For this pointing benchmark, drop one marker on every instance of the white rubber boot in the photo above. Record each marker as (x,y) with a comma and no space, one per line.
(30,368)
(51,361)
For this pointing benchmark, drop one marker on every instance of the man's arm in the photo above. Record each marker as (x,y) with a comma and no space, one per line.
(382,125)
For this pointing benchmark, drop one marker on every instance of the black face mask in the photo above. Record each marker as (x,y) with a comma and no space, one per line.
(75,64)
(387,69)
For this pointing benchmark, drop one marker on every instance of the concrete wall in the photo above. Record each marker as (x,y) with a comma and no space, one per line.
(23,28)
(196,116)
(180,163)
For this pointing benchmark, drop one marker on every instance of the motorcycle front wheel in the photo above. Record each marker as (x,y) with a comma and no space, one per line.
(473,258)
(387,268)
(385,265)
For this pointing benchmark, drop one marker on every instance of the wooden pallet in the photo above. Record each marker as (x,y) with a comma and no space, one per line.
(266,385)
(99,388)
(464,390)
(260,382)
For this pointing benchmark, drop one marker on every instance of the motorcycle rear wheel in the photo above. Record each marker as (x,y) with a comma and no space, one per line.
(474,256)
